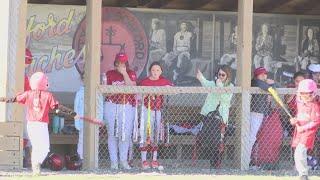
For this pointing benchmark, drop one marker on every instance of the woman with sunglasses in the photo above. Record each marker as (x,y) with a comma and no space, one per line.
(214,99)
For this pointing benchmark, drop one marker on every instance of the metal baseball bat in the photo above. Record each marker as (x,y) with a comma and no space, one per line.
(276,97)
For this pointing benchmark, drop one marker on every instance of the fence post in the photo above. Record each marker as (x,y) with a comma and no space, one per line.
(92,69)
(244,48)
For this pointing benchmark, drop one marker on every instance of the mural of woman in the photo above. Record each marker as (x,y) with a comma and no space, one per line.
(157,42)
(309,49)
(264,44)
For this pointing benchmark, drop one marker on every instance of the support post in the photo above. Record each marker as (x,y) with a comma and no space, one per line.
(244,48)
(92,74)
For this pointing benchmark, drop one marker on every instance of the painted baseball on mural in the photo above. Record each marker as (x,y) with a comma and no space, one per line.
(121,32)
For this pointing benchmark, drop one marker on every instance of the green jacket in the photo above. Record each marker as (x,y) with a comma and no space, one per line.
(213,99)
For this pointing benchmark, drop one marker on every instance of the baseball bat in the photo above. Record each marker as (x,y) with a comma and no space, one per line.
(69,112)
(276,97)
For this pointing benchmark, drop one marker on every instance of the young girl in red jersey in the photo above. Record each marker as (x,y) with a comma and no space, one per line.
(306,122)
(38,102)
(119,113)
(151,127)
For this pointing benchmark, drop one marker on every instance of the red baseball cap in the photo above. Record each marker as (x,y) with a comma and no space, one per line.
(121,57)
(28,57)
(260,70)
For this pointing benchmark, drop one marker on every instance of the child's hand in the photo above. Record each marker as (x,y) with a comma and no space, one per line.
(293,121)
(76,117)
(122,69)
(299,129)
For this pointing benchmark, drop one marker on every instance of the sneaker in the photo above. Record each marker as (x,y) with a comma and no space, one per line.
(154,164)
(114,166)
(130,163)
(125,165)
(36,170)
(145,165)
(304,177)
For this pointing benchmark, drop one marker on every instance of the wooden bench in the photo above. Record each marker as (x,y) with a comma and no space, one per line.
(63,139)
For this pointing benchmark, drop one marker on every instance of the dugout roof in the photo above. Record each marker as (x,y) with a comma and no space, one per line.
(300,7)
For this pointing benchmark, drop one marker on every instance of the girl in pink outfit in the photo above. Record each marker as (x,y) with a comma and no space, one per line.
(306,124)
(38,102)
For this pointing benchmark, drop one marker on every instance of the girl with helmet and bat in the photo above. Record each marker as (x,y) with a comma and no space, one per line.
(38,102)
(151,125)
(119,112)
(306,122)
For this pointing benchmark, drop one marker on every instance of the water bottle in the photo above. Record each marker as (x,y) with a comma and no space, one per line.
(103,79)
(55,124)
(61,124)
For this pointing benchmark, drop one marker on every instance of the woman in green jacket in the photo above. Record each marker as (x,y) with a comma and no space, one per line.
(213,99)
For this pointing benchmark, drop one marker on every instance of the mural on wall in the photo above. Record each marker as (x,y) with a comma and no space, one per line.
(121,32)
(182,41)
(50,33)
(275,46)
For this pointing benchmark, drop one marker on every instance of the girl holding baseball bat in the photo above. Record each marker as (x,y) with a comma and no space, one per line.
(306,122)
(38,102)
(151,125)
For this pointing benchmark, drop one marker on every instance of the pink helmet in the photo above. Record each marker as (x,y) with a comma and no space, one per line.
(39,81)
(307,85)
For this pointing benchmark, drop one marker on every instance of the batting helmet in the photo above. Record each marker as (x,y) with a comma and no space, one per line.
(307,85)
(73,162)
(55,162)
(39,81)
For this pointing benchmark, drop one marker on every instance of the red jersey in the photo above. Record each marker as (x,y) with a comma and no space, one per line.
(115,78)
(26,84)
(156,101)
(38,104)
(308,117)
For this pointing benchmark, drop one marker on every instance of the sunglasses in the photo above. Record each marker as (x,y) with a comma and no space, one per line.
(222,74)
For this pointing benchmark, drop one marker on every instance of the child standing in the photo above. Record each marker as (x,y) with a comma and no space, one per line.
(79,110)
(38,102)
(118,112)
(151,122)
(260,105)
(306,124)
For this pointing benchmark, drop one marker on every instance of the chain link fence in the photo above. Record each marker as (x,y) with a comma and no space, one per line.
(244,132)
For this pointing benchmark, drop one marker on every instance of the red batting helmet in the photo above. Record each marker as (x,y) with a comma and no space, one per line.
(73,162)
(55,162)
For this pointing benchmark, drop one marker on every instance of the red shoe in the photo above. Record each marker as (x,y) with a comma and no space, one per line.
(145,165)
(154,164)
